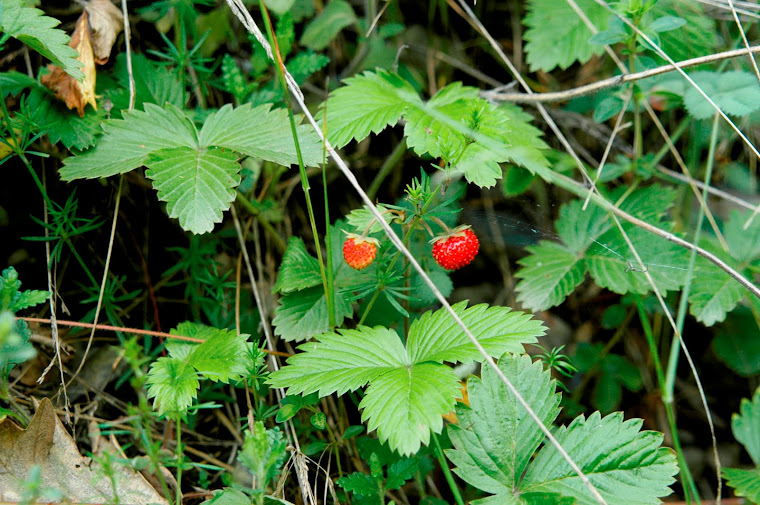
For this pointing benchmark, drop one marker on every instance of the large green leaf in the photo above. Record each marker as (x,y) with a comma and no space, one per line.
(342,362)
(626,465)
(127,142)
(713,295)
(33,28)
(60,124)
(222,357)
(303,314)
(736,92)
(437,337)
(557,36)
(405,404)
(197,184)
(260,132)
(495,438)
(320,31)
(298,270)
(367,103)
(746,426)
(548,275)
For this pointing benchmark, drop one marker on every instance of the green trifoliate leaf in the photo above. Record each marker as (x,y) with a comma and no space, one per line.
(548,275)
(33,28)
(321,30)
(495,438)
(303,314)
(736,92)
(579,228)
(626,465)
(173,383)
(437,337)
(341,362)
(746,483)
(557,36)
(367,103)
(223,357)
(127,142)
(405,404)
(298,270)
(360,483)
(401,471)
(746,426)
(197,184)
(260,132)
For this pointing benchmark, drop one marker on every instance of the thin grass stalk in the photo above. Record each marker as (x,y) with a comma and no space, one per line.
(447,471)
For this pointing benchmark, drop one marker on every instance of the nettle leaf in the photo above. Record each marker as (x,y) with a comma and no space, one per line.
(341,362)
(367,103)
(437,337)
(303,314)
(746,483)
(197,184)
(127,143)
(493,449)
(173,383)
(260,132)
(736,92)
(408,391)
(298,270)
(556,36)
(746,426)
(548,275)
(496,439)
(405,404)
(33,28)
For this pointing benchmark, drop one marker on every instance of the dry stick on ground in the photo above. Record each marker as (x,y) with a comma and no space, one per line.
(559,96)
(240,11)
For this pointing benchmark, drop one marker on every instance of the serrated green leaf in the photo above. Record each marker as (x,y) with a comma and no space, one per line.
(12,83)
(437,337)
(33,28)
(743,245)
(746,426)
(525,146)
(556,36)
(495,438)
(181,349)
(14,342)
(303,314)
(401,471)
(304,64)
(298,270)
(746,483)
(367,103)
(405,404)
(423,295)
(12,298)
(341,362)
(697,37)
(173,383)
(736,92)
(626,465)
(260,132)
(228,496)
(154,83)
(29,298)
(60,124)
(127,143)
(198,185)
(362,219)
(321,30)
(359,483)
(713,295)
(222,357)
(548,275)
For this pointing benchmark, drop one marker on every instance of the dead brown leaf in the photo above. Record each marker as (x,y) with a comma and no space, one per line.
(106,22)
(47,443)
(75,94)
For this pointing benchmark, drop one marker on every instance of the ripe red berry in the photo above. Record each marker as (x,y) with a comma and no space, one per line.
(359,252)
(457,249)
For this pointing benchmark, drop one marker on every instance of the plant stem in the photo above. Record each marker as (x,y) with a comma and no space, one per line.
(388,165)
(273,234)
(302,169)
(328,237)
(179,458)
(447,471)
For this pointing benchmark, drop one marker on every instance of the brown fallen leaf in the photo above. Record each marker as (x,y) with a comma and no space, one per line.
(46,443)
(106,23)
(75,94)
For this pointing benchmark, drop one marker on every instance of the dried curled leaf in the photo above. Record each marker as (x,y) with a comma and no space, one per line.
(106,22)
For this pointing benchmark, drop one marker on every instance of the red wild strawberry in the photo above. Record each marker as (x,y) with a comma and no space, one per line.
(359,252)
(456,249)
